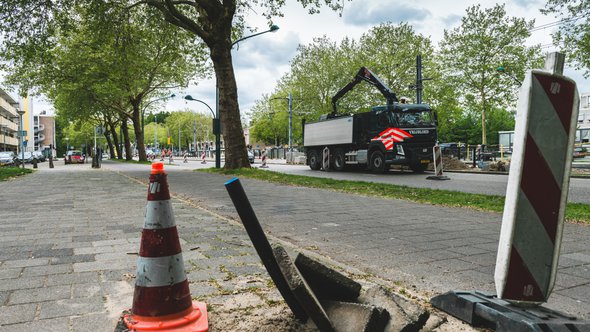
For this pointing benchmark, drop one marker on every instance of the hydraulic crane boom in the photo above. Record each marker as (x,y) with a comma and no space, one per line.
(364,74)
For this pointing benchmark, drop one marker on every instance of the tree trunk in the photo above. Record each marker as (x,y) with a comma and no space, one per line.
(113,131)
(229,111)
(137,128)
(125,130)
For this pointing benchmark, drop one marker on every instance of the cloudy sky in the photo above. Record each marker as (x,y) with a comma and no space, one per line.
(260,62)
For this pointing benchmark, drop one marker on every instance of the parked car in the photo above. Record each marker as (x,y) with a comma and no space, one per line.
(74,157)
(105,155)
(26,157)
(7,158)
(39,155)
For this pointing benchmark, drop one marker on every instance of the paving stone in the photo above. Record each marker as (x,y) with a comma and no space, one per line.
(57,324)
(52,253)
(13,314)
(26,262)
(301,290)
(72,259)
(99,322)
(40,294)
(71,307)
(8,273)
(405,315)
(72,278)
(46,270)
(21,283)
(3,297)
(327,283)
(355,317)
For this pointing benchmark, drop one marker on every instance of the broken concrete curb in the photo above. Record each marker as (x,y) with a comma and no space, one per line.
(327,283)
(406,316)
(356,317)
(301,290)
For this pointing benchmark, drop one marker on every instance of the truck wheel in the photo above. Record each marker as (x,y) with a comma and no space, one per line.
(338,160)
(377,162)
(314,160)
(418,167)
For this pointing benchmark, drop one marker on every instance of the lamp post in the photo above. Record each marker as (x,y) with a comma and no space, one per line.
(21,135)
(273,28)
(67,145)
(144,108)
(290,103)
(216,130)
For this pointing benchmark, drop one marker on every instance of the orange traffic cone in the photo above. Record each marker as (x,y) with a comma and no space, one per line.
(162,299)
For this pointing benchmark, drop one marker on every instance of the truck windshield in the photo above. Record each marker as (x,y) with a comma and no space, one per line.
(419,118)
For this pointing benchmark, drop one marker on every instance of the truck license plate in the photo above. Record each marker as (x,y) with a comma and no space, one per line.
(425,161)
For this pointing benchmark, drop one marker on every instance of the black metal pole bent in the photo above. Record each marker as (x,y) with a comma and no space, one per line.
(263,248)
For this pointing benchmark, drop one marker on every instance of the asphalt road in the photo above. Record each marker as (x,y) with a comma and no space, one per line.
(490,184)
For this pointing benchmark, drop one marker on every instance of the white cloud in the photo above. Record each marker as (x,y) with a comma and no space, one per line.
(376,12)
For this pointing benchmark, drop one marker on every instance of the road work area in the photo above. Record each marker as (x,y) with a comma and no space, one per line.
(70,240)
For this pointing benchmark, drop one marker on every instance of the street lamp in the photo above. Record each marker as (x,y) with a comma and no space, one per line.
(216,130)
(21,135)
(273,28)
(67,145)
(290,103)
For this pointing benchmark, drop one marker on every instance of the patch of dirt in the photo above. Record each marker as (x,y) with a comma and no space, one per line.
(259,319)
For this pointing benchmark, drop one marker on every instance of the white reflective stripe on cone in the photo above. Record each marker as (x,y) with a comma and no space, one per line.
(160,271)
(159,215)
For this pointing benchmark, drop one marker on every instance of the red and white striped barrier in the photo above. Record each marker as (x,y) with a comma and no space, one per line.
(536,195)
(326,159)
(438,165)
(263,159)
(203,161)
(162,299)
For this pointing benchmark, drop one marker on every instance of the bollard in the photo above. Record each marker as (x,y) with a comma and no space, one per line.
(51,161)
(263,159)
(438,165)
(326,159)
(34,162)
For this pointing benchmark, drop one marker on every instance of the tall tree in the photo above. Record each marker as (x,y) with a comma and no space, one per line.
(574,33)
(472,52)
(114,58)
(213,22)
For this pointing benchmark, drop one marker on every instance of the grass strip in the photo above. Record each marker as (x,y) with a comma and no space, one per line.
(575,212)
(10,172)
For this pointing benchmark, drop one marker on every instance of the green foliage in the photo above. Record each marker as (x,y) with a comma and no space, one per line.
(573,35)
(9,172)
(471,53)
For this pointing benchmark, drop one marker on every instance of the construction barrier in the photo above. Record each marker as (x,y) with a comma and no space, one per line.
(532,224)
(438,165)
(263,160)
(162,299)
(326,159)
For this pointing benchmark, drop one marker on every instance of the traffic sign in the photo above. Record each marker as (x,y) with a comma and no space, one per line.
(99,130)
(536,195)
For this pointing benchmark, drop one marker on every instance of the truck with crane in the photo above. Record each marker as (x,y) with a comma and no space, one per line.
(396,133)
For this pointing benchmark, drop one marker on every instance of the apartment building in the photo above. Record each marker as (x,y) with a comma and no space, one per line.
(8,122)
